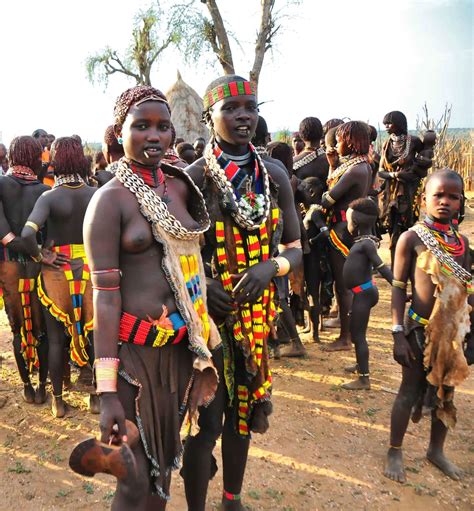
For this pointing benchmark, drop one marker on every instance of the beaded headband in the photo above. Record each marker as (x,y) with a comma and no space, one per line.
(228,90)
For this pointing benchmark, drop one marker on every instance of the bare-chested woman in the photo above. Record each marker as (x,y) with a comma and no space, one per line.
(19,191)
(65,292)
(141,234)
(350,178)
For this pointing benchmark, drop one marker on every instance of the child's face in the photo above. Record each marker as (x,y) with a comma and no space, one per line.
(443,198)
(351,225)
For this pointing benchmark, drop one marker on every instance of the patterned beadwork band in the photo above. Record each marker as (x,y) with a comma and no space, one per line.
(228,90)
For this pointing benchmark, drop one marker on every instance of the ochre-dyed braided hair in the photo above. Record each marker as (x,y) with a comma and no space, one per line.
(67,157)
(25,151)
(132,96)
(110,140)
(356,136)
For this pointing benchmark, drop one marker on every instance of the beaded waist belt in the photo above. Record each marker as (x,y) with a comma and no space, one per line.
(146,333)
(339,216)
(413,315)
(363,287)
(72,251)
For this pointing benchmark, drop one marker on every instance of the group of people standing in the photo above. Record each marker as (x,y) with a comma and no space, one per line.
(168,278)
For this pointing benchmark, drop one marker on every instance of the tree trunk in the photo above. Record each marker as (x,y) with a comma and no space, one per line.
(222,49)
(264,36)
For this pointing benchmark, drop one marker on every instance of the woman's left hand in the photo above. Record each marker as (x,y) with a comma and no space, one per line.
(253,282)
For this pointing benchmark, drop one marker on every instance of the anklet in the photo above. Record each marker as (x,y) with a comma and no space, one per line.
(231,496)
(365,375)
(394,447)
(58,395)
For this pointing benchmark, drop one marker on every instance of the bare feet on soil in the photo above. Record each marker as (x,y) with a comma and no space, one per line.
(40,394)
(339,345)
(28,393)
(439,460)
(394,469)
(362,383)
(351,369)
(296,350)
(58,407)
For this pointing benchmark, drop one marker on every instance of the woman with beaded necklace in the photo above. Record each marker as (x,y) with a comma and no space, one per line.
(247,202)
(19,191)
(151,327)
(65,292)
(402,168)
(350,178)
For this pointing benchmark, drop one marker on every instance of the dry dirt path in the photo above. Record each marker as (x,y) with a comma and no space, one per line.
(325,448)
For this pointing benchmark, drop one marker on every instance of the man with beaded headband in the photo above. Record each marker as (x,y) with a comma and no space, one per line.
(435,343)
(404,162)
(350,178)
(19,191)
(152,333)
(65,292)
(247,201)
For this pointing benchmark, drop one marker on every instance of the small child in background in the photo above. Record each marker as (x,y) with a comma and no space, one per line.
(363,257)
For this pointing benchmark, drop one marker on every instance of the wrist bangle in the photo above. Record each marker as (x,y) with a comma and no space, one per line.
(276,265)
(8,238)
(283,265)
(323,229)
(381,265)
(397,329)
(106,374)
(38,258)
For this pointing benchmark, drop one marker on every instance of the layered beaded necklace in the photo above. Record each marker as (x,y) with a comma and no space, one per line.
(69,181)
(447,264)
(370,237)
(342,169)
(443,233)
(22,172)
(249,208)
(400,146)
(308,158)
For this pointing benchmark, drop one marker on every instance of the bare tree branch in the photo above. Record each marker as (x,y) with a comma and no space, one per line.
(265,34)
(218,38)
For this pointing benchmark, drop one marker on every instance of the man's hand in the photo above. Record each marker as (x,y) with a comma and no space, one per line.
(402,352)
(219,302)
(252,282)
(51,258)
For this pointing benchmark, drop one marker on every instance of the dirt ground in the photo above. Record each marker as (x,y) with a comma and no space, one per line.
(325,448)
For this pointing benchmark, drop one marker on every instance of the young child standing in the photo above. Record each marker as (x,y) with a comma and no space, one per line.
(429,347)
(363,257)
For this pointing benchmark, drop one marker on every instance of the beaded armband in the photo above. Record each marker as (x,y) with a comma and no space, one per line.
(328,198)
(105,272)
(34,226)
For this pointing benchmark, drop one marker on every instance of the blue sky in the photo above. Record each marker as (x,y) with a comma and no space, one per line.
(335,59)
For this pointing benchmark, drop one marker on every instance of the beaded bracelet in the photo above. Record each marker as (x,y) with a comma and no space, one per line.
(106,374)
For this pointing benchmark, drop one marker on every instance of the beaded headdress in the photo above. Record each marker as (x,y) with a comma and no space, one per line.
(227,90)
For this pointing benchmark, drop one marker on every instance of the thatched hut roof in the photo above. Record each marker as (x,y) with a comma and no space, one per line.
(186,110)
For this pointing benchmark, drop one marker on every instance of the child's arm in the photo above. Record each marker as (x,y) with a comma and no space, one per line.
(404,254)
(377,263)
